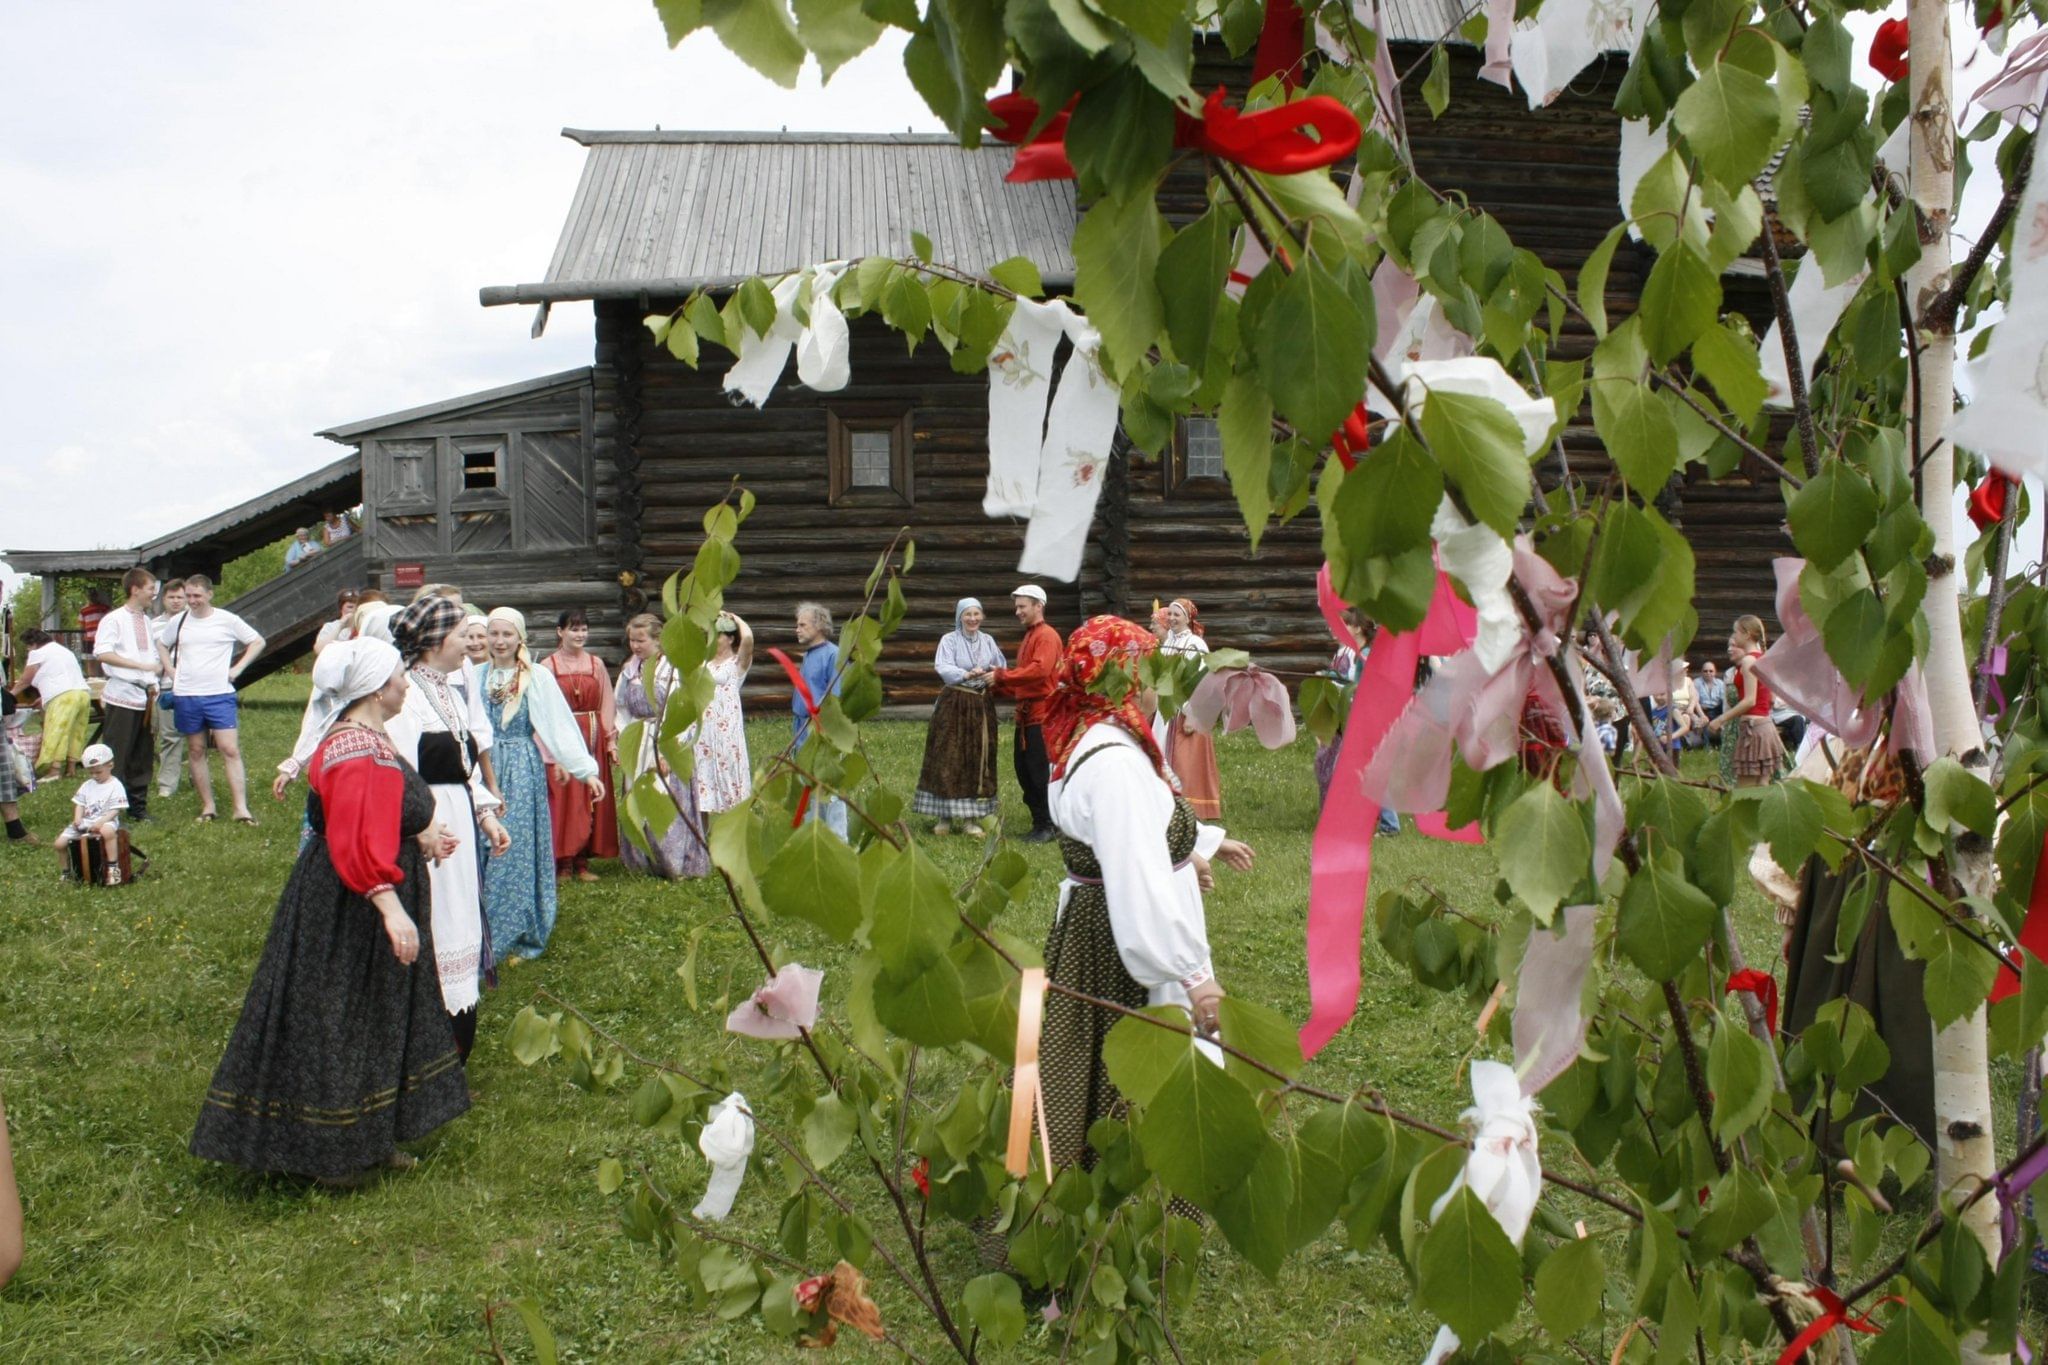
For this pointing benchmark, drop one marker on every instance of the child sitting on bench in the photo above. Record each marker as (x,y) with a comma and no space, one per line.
(96,810)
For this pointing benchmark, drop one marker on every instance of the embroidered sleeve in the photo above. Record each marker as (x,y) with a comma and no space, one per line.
(362,788)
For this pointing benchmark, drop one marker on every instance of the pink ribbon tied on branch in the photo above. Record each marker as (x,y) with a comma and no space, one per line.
(782,1009)
(1800,672)
(1241,697)
(1276,141)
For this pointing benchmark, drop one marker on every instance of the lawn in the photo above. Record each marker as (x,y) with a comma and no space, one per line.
(114,1006)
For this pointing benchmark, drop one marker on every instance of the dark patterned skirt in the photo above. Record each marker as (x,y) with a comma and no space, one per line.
(341,1052)
(1080,953)
(958,780)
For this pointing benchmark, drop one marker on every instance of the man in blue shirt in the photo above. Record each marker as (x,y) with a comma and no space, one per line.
(820,670)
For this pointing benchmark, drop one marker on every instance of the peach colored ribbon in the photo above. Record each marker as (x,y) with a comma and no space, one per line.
(1027,1096)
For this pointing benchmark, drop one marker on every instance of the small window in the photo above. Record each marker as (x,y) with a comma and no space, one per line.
(1197,453)
(482,469)
(868,452)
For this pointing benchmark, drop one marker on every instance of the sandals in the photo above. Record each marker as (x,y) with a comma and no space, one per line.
(205,818)
(248,820)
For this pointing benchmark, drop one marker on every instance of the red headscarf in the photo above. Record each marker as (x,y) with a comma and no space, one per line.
(1189,607)
(1073,709)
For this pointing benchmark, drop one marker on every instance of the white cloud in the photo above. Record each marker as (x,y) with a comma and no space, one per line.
(253,221)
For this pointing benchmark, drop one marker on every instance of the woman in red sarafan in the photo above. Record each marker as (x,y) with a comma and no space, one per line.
(584,829)
(344,1049)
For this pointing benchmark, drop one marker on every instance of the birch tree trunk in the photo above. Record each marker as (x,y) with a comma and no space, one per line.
(1962,1085)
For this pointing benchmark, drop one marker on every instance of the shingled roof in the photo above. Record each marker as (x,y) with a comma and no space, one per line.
(663,213)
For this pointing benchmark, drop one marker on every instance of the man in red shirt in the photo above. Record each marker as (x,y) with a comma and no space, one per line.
(1030,683)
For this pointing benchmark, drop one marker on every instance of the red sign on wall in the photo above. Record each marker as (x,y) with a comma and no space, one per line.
(408,575)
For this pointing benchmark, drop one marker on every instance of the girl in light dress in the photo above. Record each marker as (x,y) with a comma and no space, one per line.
(725,776)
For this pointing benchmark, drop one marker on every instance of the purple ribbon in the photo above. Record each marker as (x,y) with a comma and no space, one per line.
(2010,1187)
(1993,669)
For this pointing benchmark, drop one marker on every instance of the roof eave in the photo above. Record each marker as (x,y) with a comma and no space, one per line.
(347,432)
(599,291)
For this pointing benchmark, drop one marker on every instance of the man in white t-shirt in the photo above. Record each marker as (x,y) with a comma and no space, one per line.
(170,745)
(127,657)
(198,649)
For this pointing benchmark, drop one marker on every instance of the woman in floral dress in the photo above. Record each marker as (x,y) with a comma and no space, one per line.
(725,775)
(645,682)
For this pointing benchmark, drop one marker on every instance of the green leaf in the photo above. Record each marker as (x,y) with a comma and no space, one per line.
(1740,1204)
(1192,270)
(995,1305)
(1738,1072)
(1914,1335)
(1116,256)
(828,1130)
(1313,343)
(1468,1273)
(1386,504)
(836,31)
(1436,86)
(1255,1215)
(611,1173)
(1729,118)
(953,59)
(1833,514)
(1729,360)
(1958,799)
(679,18)
(1120,134)
(1568,1287)
(1638,432)
(1789,820)
(1201,1132)
(1592,283)
(1019,274)
(915,917)
(1664,919)
(1259,1032)
(759,33)
(1141,1056)
(533,1036)
(1959,976)
(907,307)
(1681,299)
(1643,569)
(815,876)
(756,304)
(1541,845)
(1479,444)
(545,1352)
(1244,422)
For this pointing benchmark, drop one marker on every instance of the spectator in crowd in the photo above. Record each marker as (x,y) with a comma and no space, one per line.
(724,776)
(964,740)
(1711,692)
(89,615)
(1190,753)
(820,670)
(646,680)
(200,659)
(14,784)
(170,745)
(340,627)
(584,829)
(96,810)
(337,527)
(301,549)
(126,650)
(1029,682)
(53,671)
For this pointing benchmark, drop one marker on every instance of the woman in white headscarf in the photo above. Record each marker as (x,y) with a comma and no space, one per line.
(343,1049)
(958,780)
(534,728)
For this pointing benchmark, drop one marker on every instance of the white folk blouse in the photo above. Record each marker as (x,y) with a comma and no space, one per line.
(1118,806)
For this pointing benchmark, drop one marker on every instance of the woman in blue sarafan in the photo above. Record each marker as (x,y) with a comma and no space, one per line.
(534,727)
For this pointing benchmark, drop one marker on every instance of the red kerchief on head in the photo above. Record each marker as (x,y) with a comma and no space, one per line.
(1075,706)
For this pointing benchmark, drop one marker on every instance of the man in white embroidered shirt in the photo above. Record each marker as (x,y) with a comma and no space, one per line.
(127,656)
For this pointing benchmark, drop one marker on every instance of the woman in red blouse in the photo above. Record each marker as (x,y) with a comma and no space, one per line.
(343,1049)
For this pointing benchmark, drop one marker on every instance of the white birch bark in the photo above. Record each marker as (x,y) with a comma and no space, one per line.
(1962,1086)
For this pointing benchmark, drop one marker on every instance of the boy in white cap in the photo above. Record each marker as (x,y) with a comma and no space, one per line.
(96,809)
(1029,683)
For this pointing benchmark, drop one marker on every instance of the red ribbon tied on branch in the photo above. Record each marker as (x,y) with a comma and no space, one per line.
(1837,1314)
(1285,140)
(803,690)
(1762,985)
(1990,500)
(1888,50)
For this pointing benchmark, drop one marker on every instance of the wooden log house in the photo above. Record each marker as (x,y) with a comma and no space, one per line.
(660,214)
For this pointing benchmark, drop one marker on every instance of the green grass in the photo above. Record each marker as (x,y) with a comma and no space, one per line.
(114,1007)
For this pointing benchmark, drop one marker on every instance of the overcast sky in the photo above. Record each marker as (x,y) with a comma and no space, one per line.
(229,225)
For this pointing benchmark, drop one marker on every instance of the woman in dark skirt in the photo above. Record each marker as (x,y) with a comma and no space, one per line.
(958,780)
(344,1049)
(1130,926)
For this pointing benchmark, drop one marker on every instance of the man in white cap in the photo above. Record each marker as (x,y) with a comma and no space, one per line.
(1029,683)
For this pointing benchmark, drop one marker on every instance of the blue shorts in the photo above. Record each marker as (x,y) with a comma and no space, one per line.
(196,715)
